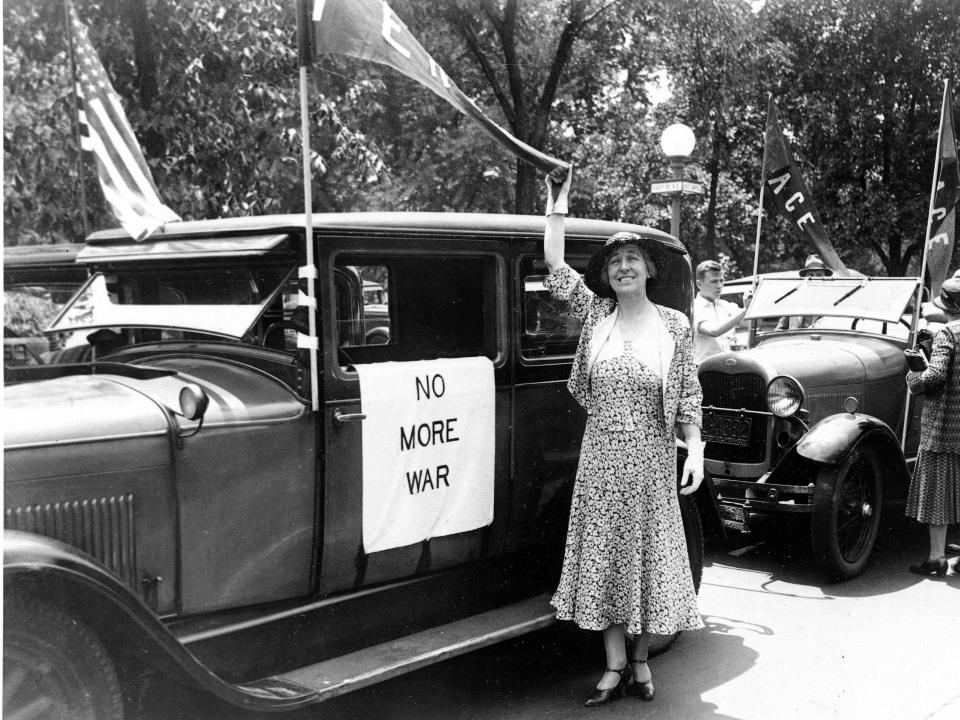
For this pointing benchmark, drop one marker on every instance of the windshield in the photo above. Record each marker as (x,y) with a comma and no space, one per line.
(882,299)
(224,301)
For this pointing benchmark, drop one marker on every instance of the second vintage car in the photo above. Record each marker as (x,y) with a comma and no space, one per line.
(808,424)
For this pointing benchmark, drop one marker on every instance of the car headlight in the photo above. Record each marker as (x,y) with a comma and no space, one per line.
(784,396)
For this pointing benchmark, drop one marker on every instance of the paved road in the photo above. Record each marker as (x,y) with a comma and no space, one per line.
(779,644)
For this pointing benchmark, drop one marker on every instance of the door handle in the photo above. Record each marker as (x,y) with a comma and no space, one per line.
(340,417)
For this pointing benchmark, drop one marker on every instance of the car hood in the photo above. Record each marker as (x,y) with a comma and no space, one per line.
(107,405)
(826,362)
(77,408)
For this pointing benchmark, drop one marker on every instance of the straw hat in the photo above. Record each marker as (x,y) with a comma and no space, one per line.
(657,251)
(814,263)
(949,298)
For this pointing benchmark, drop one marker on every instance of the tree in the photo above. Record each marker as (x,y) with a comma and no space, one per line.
(212,95)
(716,56)
(863,97)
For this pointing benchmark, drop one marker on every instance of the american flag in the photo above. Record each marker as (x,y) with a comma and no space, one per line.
(105,131)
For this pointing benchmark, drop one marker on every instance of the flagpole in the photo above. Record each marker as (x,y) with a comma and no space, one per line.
(76,118)
(309,271)
(756,243)
(751,335)
(915,320)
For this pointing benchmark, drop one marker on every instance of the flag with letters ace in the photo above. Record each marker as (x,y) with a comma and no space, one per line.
(104,130)
(370,30)
(943,216)
(788,194)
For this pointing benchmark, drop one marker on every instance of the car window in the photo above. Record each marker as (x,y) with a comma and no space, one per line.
(432,307)
(549,330)
(27,311)
(366,322)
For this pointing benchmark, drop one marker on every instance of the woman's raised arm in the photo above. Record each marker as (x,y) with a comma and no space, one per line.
(553,233)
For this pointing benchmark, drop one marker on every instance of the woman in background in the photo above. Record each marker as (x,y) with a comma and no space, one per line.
(934,497)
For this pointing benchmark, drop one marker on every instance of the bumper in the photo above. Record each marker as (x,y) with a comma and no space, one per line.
(746,504)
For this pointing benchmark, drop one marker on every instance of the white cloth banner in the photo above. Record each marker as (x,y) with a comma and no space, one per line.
(428,449)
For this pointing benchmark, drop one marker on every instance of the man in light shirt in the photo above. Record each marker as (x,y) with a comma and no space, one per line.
(714,319)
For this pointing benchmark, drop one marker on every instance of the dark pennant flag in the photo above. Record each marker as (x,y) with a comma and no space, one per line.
(788,194)
(370,30)
(943,216)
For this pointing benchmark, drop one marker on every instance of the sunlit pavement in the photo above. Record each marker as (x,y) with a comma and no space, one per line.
(779,644)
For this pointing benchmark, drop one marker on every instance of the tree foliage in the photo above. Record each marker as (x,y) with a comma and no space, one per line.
(212,93)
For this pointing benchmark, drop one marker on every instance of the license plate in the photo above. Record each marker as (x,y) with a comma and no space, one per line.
(726,429)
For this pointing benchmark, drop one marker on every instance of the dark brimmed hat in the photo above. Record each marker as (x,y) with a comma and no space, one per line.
(814,263)
(949,298)
(657,251)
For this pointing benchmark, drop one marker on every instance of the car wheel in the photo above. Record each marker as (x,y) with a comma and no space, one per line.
(54,666)
(846,514)
(693,532)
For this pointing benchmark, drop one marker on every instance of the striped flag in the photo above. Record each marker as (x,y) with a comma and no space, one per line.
(104,130)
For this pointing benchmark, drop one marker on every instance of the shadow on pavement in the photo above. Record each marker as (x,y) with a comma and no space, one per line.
(785,556)
(699,662)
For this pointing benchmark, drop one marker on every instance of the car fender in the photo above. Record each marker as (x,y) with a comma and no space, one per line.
(63,575)
(834,437)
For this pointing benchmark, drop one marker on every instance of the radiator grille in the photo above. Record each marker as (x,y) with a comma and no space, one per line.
(745,390)
(101,527)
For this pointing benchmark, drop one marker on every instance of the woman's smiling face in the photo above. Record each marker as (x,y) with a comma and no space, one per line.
(628,270)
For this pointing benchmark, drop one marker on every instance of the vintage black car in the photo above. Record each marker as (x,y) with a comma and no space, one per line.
(177,502)
(808,423)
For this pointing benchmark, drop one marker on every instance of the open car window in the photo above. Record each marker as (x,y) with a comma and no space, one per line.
(882,299)
(549,330)
(394,307)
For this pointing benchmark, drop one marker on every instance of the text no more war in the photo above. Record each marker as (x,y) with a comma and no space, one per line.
(428,434)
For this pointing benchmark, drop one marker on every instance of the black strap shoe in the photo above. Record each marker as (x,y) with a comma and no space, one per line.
(643,690)
(602,697)
(930,567)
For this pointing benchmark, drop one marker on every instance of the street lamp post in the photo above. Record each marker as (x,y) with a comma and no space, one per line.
(677,142)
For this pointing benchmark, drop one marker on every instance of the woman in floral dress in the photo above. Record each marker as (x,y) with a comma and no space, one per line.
(626,568)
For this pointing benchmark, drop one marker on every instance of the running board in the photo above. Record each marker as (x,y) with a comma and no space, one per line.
(381,662)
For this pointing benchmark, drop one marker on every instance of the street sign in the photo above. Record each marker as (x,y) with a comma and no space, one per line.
(676,187)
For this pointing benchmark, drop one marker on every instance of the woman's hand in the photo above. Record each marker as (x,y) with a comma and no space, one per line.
(558,188)
(692,474)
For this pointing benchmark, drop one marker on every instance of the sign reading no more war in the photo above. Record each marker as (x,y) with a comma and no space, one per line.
(428,449)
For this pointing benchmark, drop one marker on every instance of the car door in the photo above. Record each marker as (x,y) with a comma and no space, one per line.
(445,298)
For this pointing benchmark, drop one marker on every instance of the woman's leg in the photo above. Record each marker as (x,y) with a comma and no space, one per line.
(616,650)
(938,541)
(641,646)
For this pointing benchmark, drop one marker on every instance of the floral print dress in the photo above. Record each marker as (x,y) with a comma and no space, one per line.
(626,557)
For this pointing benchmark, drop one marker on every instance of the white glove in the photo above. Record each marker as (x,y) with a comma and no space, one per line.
(692,474)
(558,205)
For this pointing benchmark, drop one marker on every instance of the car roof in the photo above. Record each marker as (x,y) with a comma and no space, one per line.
(23,255)
(424,224)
